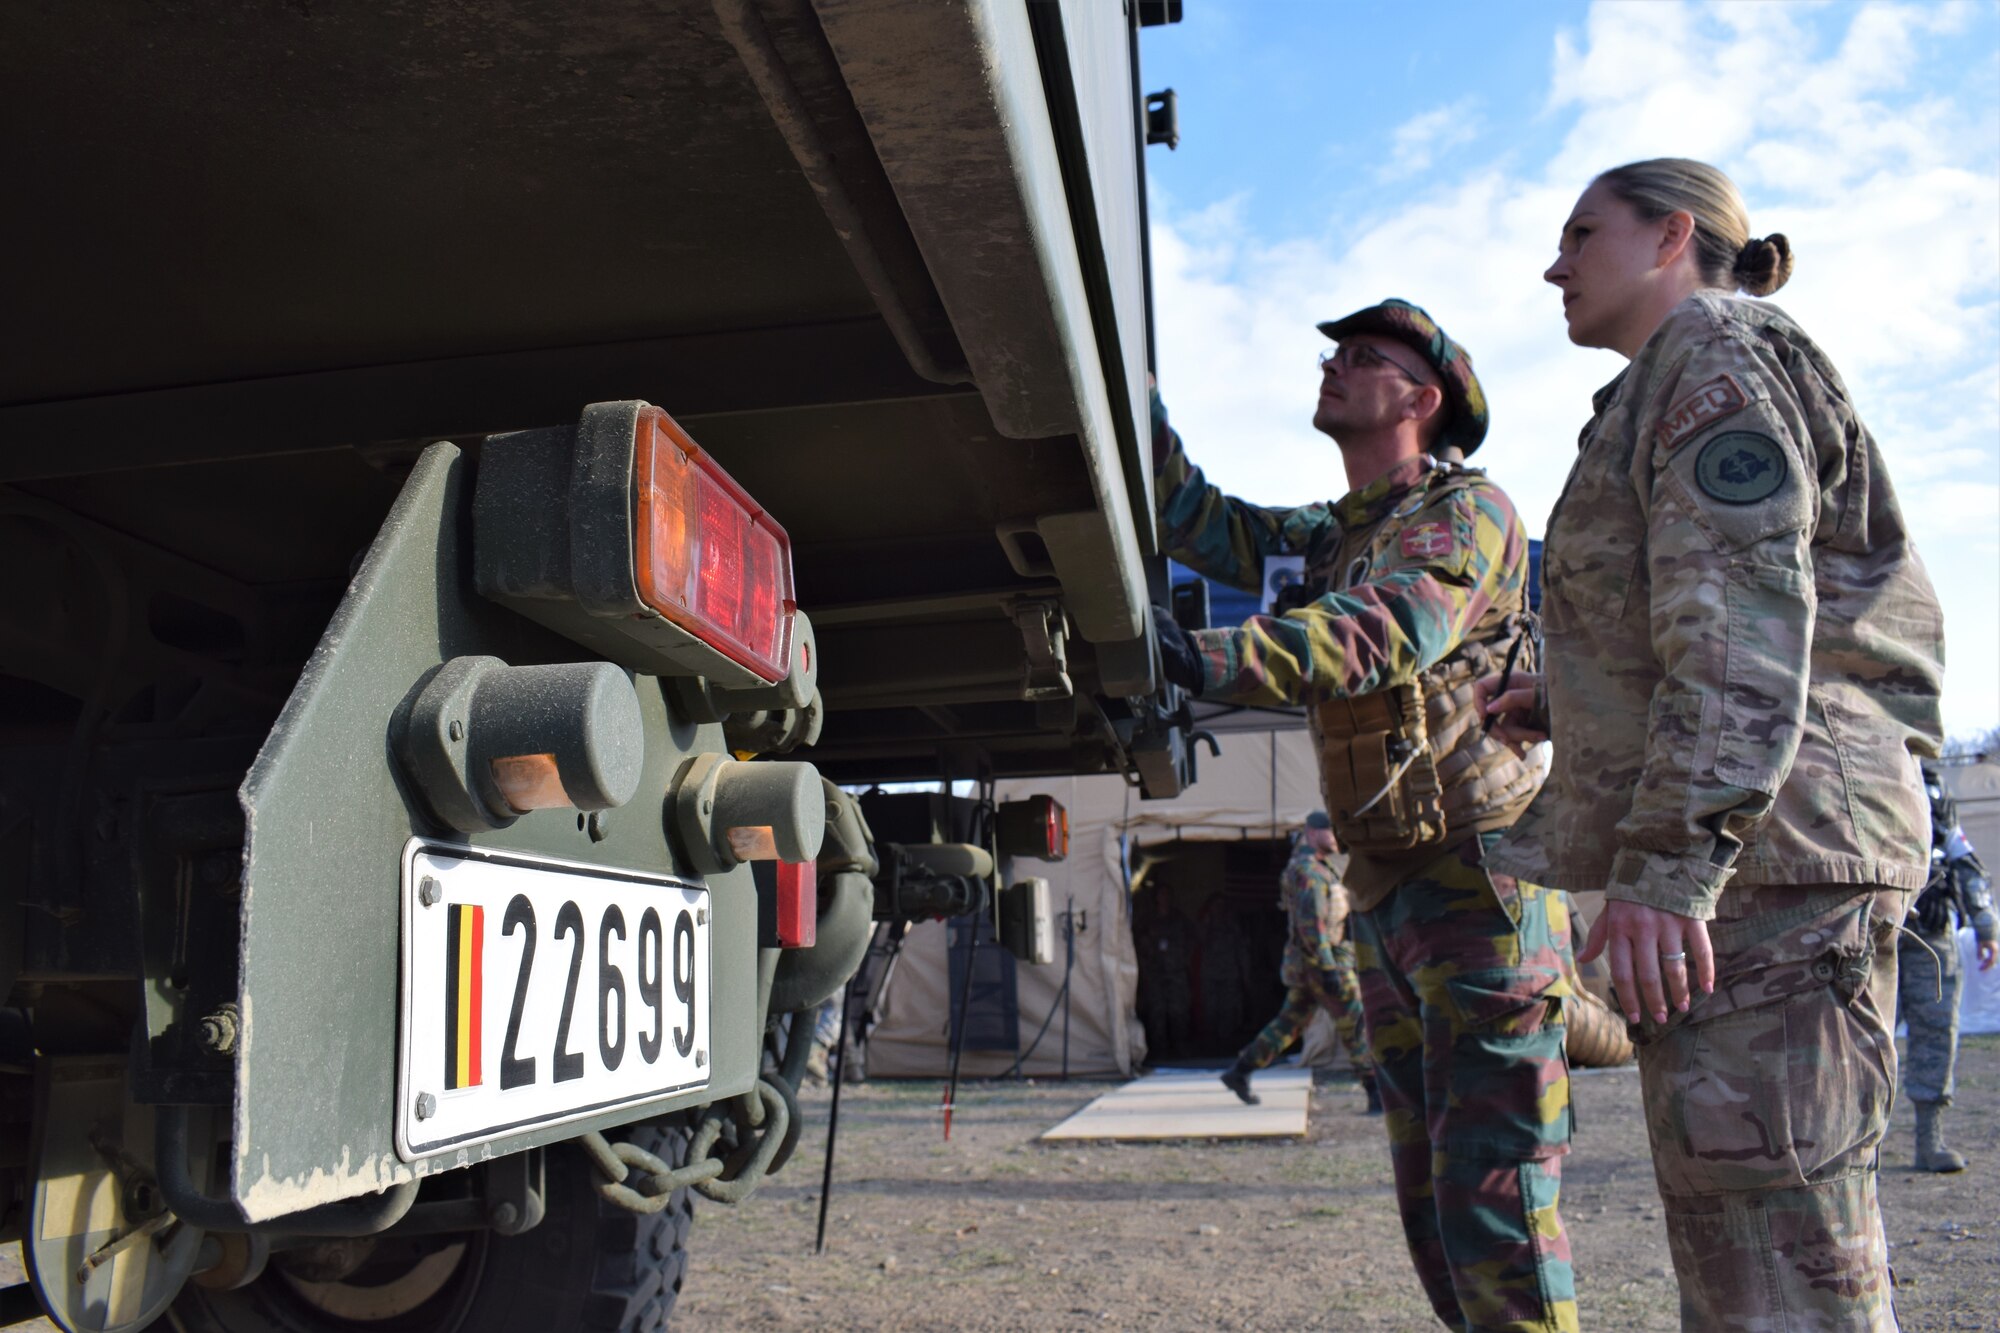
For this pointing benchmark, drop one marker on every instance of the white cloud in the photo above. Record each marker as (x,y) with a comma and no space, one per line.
(1416,143)
(1890,195)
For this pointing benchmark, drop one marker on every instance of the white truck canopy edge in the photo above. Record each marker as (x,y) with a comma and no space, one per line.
(945,88)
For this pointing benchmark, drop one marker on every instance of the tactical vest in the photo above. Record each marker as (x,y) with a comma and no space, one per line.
(1407,767)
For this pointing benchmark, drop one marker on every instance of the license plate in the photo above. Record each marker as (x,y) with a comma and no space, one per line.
(538,991)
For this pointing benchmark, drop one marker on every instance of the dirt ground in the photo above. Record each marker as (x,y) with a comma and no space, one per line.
(993,1231)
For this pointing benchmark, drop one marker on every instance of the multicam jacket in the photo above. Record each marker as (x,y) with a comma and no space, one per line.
(1457,566)
(1316,907)
(1744,653)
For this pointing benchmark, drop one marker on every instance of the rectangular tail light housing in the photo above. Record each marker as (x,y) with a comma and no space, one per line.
(623,534)
(1037,827)
(708,557)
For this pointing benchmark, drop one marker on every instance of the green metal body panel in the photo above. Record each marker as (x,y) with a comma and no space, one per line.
(328,815)
(883,259)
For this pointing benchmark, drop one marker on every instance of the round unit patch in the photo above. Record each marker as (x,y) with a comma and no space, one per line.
(1740,468)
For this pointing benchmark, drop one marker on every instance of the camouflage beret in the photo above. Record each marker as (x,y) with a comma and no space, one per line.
(1318,819)
(1466,426)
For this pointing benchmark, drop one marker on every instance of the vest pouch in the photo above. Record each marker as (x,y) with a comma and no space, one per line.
(1377,772)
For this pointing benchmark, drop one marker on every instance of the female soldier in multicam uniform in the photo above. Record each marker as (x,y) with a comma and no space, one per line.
(1743,659)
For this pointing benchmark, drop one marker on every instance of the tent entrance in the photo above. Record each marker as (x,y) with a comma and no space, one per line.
(991,1015)
(1209,933)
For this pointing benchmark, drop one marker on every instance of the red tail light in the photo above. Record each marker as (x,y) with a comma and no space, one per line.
(708,557)
(1037,827)
(798,904)
(787,903)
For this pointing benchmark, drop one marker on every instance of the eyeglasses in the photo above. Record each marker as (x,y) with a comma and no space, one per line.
(1360,356)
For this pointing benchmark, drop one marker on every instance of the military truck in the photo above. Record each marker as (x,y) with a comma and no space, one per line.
(479,483)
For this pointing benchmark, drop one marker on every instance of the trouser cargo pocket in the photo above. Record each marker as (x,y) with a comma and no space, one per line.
(1509,1093)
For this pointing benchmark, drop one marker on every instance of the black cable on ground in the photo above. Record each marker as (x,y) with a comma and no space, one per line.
(1062,995)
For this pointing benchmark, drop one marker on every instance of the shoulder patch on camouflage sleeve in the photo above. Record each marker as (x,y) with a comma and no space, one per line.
(1740,468)
(1427,540)
(1708,404)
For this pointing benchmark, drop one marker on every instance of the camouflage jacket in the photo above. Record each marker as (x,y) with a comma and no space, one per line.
(1316,907)
(1454,566)
(1959,885)
(1744,654)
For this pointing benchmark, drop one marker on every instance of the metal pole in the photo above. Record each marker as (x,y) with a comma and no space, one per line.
(833,1114)
(1069,963)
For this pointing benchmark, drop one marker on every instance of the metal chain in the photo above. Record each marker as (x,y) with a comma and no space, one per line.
(765,1109)
(763,1121)
(658,1179)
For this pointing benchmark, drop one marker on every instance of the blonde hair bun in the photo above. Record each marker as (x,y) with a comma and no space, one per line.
(1764,264)
(1727,255)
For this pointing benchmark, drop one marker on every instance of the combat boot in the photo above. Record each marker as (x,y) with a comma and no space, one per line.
(1374,1092)
(1932,1155)
(1236,1078)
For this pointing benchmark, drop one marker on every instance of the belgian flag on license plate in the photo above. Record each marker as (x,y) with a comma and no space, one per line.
(465,948)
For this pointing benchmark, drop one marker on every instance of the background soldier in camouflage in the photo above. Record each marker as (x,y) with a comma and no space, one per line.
(1318,968)
(1744,658)
(1930,980)
(1414,588)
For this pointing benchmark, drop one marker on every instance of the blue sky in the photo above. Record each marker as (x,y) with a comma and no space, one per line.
(1334,152)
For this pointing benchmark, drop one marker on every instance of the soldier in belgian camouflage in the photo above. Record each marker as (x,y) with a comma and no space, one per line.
(1414,588)
(1318,967)
(1930,980)
(1743,662)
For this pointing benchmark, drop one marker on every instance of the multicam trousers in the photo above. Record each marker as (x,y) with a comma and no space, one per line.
(1335,991)
(1462,979)
(1927,991)
(1765,1103)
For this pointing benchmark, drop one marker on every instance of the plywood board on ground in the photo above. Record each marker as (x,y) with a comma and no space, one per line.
(1193,1104)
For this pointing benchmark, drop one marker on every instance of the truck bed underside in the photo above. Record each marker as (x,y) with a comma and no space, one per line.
(265,252)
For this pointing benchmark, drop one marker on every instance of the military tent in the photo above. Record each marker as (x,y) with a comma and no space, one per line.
(1976,787)
(1214,852)
(1209,858)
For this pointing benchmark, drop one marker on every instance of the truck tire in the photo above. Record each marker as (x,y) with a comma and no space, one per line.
(590,1267)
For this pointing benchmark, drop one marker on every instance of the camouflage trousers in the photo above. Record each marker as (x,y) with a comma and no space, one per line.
(1462,979)
(1334,990)
(1765,1104)
(1927,990)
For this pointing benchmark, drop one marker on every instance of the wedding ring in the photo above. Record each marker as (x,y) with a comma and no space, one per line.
(1674,957)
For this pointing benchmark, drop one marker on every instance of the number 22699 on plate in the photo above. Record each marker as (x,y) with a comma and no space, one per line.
(538,991)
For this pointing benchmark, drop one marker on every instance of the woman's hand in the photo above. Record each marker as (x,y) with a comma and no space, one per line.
(1653,954)
(1510,713)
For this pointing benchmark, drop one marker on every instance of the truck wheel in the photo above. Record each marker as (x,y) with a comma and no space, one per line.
(590,1267)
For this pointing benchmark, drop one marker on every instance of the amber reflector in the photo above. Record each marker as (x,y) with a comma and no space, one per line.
(529,782)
